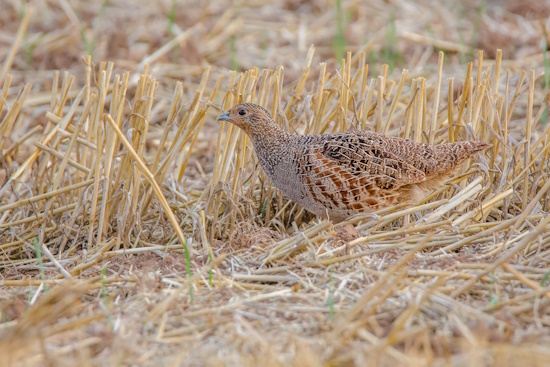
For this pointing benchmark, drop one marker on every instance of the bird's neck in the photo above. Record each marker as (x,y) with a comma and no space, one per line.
(271,144)
(269,136)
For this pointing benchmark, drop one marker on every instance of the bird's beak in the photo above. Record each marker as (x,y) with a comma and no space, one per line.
(224,117)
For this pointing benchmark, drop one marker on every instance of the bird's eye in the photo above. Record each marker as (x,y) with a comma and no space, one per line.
(242,112)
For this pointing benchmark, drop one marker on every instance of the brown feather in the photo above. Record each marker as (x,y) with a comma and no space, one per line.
(337,175)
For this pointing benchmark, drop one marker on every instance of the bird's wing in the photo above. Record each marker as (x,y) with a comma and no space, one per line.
(359,160)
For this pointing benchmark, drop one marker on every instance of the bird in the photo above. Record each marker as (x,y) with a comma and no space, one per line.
(338,175)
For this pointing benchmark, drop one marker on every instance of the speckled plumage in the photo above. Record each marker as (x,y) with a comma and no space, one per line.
(341,174)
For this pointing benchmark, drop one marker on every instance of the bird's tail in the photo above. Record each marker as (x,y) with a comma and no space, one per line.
(450,155)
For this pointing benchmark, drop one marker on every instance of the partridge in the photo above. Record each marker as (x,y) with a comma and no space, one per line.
(341,174)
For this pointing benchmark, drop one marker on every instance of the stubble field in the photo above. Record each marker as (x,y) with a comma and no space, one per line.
(137,230)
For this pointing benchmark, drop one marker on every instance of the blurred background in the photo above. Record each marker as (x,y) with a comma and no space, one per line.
(178,38)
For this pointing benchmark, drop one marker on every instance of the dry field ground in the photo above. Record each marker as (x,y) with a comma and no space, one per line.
(137,230)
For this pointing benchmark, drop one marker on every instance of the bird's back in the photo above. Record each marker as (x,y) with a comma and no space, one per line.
(430,159)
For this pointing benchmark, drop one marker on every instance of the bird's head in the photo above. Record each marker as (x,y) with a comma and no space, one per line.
(249,117)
